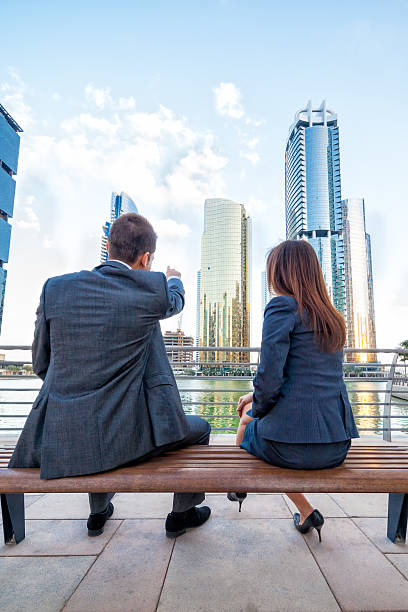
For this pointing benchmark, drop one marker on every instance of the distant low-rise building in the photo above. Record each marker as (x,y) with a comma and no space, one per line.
(178,338)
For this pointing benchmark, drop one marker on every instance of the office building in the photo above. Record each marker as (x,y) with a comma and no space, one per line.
(9,150)
(358,277)
(198,314)
(225,279)
(313,191)
(335,227)
(120,204)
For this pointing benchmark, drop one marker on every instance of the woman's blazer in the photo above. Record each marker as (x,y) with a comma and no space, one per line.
(299,392)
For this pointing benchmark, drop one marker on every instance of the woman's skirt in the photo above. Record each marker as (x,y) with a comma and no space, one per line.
(298,456)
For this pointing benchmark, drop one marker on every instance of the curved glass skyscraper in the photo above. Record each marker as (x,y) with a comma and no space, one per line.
(313,191)
(225,279)
(120,204)
(335,228)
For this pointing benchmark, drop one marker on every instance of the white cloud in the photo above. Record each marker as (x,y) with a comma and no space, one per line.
(252,156)
(253,143)
(87,122)
(228,100)
(47,243)
(96,96)
(29,220)
(13,99)
(56,96)
(127,103)
(168,228)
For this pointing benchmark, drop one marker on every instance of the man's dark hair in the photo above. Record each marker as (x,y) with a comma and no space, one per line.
(131,235)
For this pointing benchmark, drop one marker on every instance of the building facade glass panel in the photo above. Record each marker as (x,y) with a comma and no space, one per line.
(7,192)
(9,141)
(9,150)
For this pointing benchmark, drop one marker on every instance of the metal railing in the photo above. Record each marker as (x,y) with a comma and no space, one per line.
(387,378)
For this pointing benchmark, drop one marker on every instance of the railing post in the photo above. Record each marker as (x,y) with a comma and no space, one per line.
(387,433)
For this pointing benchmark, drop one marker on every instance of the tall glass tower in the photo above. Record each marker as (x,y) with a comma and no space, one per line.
(9,150)
(120,204)
(225,279)
(313,191)
(358,278)
(198,314)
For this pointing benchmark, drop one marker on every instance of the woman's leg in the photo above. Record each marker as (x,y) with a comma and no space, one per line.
(302,505)
(245,419)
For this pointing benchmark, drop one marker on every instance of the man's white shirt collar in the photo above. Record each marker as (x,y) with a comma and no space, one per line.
(130,267)
(122,262)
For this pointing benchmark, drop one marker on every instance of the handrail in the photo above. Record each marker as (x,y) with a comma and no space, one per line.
(355,372)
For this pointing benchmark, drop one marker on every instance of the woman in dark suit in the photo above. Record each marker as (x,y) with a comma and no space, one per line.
(298,415)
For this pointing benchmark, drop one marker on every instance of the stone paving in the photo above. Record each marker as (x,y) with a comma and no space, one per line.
(249,561)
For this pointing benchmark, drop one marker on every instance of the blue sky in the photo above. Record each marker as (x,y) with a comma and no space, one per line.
(177,101)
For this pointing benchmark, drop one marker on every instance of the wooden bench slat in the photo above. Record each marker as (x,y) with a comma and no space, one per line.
(221,468)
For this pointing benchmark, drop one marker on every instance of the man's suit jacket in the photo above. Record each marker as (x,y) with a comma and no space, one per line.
(109,395)
(299,392)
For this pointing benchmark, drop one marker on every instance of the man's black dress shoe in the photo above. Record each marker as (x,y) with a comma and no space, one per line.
(177,523)
(96,521)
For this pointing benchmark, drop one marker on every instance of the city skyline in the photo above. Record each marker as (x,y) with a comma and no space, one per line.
(170,119)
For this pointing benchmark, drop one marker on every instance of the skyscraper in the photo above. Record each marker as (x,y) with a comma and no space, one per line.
(335,227)
(225,279)
(120,204)
(358,277)
(313,191)
(9,150)
(198,314)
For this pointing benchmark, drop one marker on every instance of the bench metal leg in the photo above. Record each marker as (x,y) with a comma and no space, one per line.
(397,517)
(12,508)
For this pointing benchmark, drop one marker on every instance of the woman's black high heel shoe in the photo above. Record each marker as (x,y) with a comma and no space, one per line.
(314,520)
(237,497)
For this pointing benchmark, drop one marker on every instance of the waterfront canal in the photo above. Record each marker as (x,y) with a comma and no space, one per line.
(215,398)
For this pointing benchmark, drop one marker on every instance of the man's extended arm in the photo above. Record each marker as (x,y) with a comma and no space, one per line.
(175,297)
(41,348)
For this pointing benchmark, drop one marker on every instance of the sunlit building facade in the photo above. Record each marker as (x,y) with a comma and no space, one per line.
(313,191)
(225,278)
(198,314)
(120,204)
(358,277)
(9,151)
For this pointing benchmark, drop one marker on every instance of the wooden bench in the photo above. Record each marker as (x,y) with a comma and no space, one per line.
(215,469)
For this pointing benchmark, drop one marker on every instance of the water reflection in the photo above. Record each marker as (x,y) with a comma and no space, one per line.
(217,400)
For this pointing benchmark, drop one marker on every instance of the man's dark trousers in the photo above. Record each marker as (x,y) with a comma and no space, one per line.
(199,434)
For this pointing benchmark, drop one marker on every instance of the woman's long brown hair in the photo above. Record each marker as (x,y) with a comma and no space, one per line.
(293,269)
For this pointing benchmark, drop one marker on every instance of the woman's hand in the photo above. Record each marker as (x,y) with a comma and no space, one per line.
(244,401)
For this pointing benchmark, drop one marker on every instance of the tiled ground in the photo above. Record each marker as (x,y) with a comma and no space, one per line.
(253,561)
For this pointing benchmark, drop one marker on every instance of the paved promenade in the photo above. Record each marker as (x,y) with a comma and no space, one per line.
(249,562)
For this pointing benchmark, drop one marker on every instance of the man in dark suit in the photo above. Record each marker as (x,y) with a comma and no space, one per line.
(109,396)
